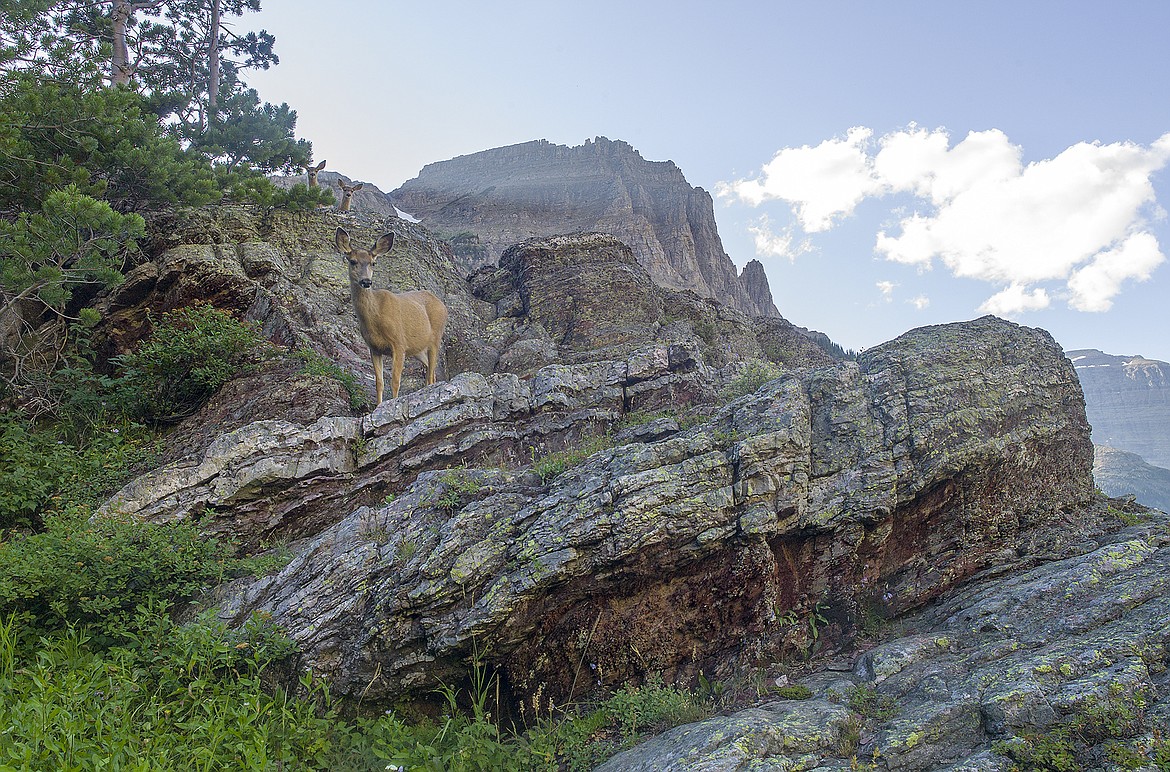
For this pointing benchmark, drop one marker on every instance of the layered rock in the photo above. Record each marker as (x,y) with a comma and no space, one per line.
(855,489)
(584,296)
(1128,402)
(537,189)
(1007,658)
(282,271)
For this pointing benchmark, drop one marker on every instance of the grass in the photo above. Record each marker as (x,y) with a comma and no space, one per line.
(204,697)
(313,363)
(552,465)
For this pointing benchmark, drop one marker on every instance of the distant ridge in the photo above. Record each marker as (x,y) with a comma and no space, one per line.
(1119,473)
(1127,400)
(487,201)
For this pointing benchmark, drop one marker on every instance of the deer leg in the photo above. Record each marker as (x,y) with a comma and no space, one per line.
(432,363)
(399,354)
(377,358)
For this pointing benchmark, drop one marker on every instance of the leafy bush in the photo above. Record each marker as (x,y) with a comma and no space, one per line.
(752,374)
(191,353)
(315,364)
(250,188)
(554,464)
(177,698)
(54,134)
(1112,722)
(651,707)
(865,699)
(95,574)
(44,468)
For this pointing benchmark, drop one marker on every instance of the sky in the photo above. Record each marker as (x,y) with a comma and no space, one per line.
(892,164)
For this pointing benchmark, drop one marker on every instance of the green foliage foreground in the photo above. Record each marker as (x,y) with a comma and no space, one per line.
(202,697)
(96,674)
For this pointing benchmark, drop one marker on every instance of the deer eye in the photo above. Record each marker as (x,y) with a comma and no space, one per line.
(353,262)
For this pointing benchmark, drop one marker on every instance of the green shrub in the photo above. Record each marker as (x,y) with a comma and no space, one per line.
(44,467)
(651,707)
(794,692)
(102,140)
(752,374)
(249,187)
(582,742)
(189,355)
(1100,725)
(313,363)
(74,240)
(554,464)
(177,698)
(95,574)
(865,699)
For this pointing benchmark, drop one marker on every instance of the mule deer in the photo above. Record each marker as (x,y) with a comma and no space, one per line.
(399,324)
(347,197)
(313,171)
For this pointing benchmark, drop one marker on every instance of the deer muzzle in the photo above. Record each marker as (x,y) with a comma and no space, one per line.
(366,283)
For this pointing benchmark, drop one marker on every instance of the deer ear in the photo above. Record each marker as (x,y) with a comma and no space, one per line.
(359,186)
(384,245)
(319,166)
(341,239)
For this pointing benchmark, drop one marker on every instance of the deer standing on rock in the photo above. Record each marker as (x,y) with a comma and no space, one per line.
(313,171)
(347,194)
(399,324)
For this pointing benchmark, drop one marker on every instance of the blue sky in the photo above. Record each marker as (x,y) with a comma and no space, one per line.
(892,164)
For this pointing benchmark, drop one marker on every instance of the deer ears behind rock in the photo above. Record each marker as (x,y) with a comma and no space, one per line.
(383,245)
(319,166)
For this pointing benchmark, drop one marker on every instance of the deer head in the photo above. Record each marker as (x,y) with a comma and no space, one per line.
(347,194)
(312,171)
(361,261)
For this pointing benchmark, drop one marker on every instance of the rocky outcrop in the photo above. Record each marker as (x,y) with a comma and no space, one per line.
(584,296)
(755,283)
(538,189)
(1000,665)
(1128,402)
(282,271)
(370,200)
(1125,474)
(440,524)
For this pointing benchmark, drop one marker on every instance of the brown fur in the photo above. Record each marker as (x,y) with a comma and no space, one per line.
(348,191)
(312,171)
(399,324)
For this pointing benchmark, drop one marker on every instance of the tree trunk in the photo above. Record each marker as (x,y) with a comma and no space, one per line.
(120,70)
(213,63)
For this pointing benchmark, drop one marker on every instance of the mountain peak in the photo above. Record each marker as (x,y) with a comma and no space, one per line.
(507,195)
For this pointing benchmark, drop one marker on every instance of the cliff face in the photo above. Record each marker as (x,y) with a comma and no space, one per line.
(583,501)
(1128,402)
(511,194)
(428,527)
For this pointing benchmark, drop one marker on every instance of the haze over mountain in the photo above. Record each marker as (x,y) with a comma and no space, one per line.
(1127,399)
(496,198)
(1120,473)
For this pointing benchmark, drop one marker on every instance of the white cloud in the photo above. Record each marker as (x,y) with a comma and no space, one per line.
(772,244)
(1079,219)
(1094,286)
(887,290)
(820,183)
(1015,300)
(921,302)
